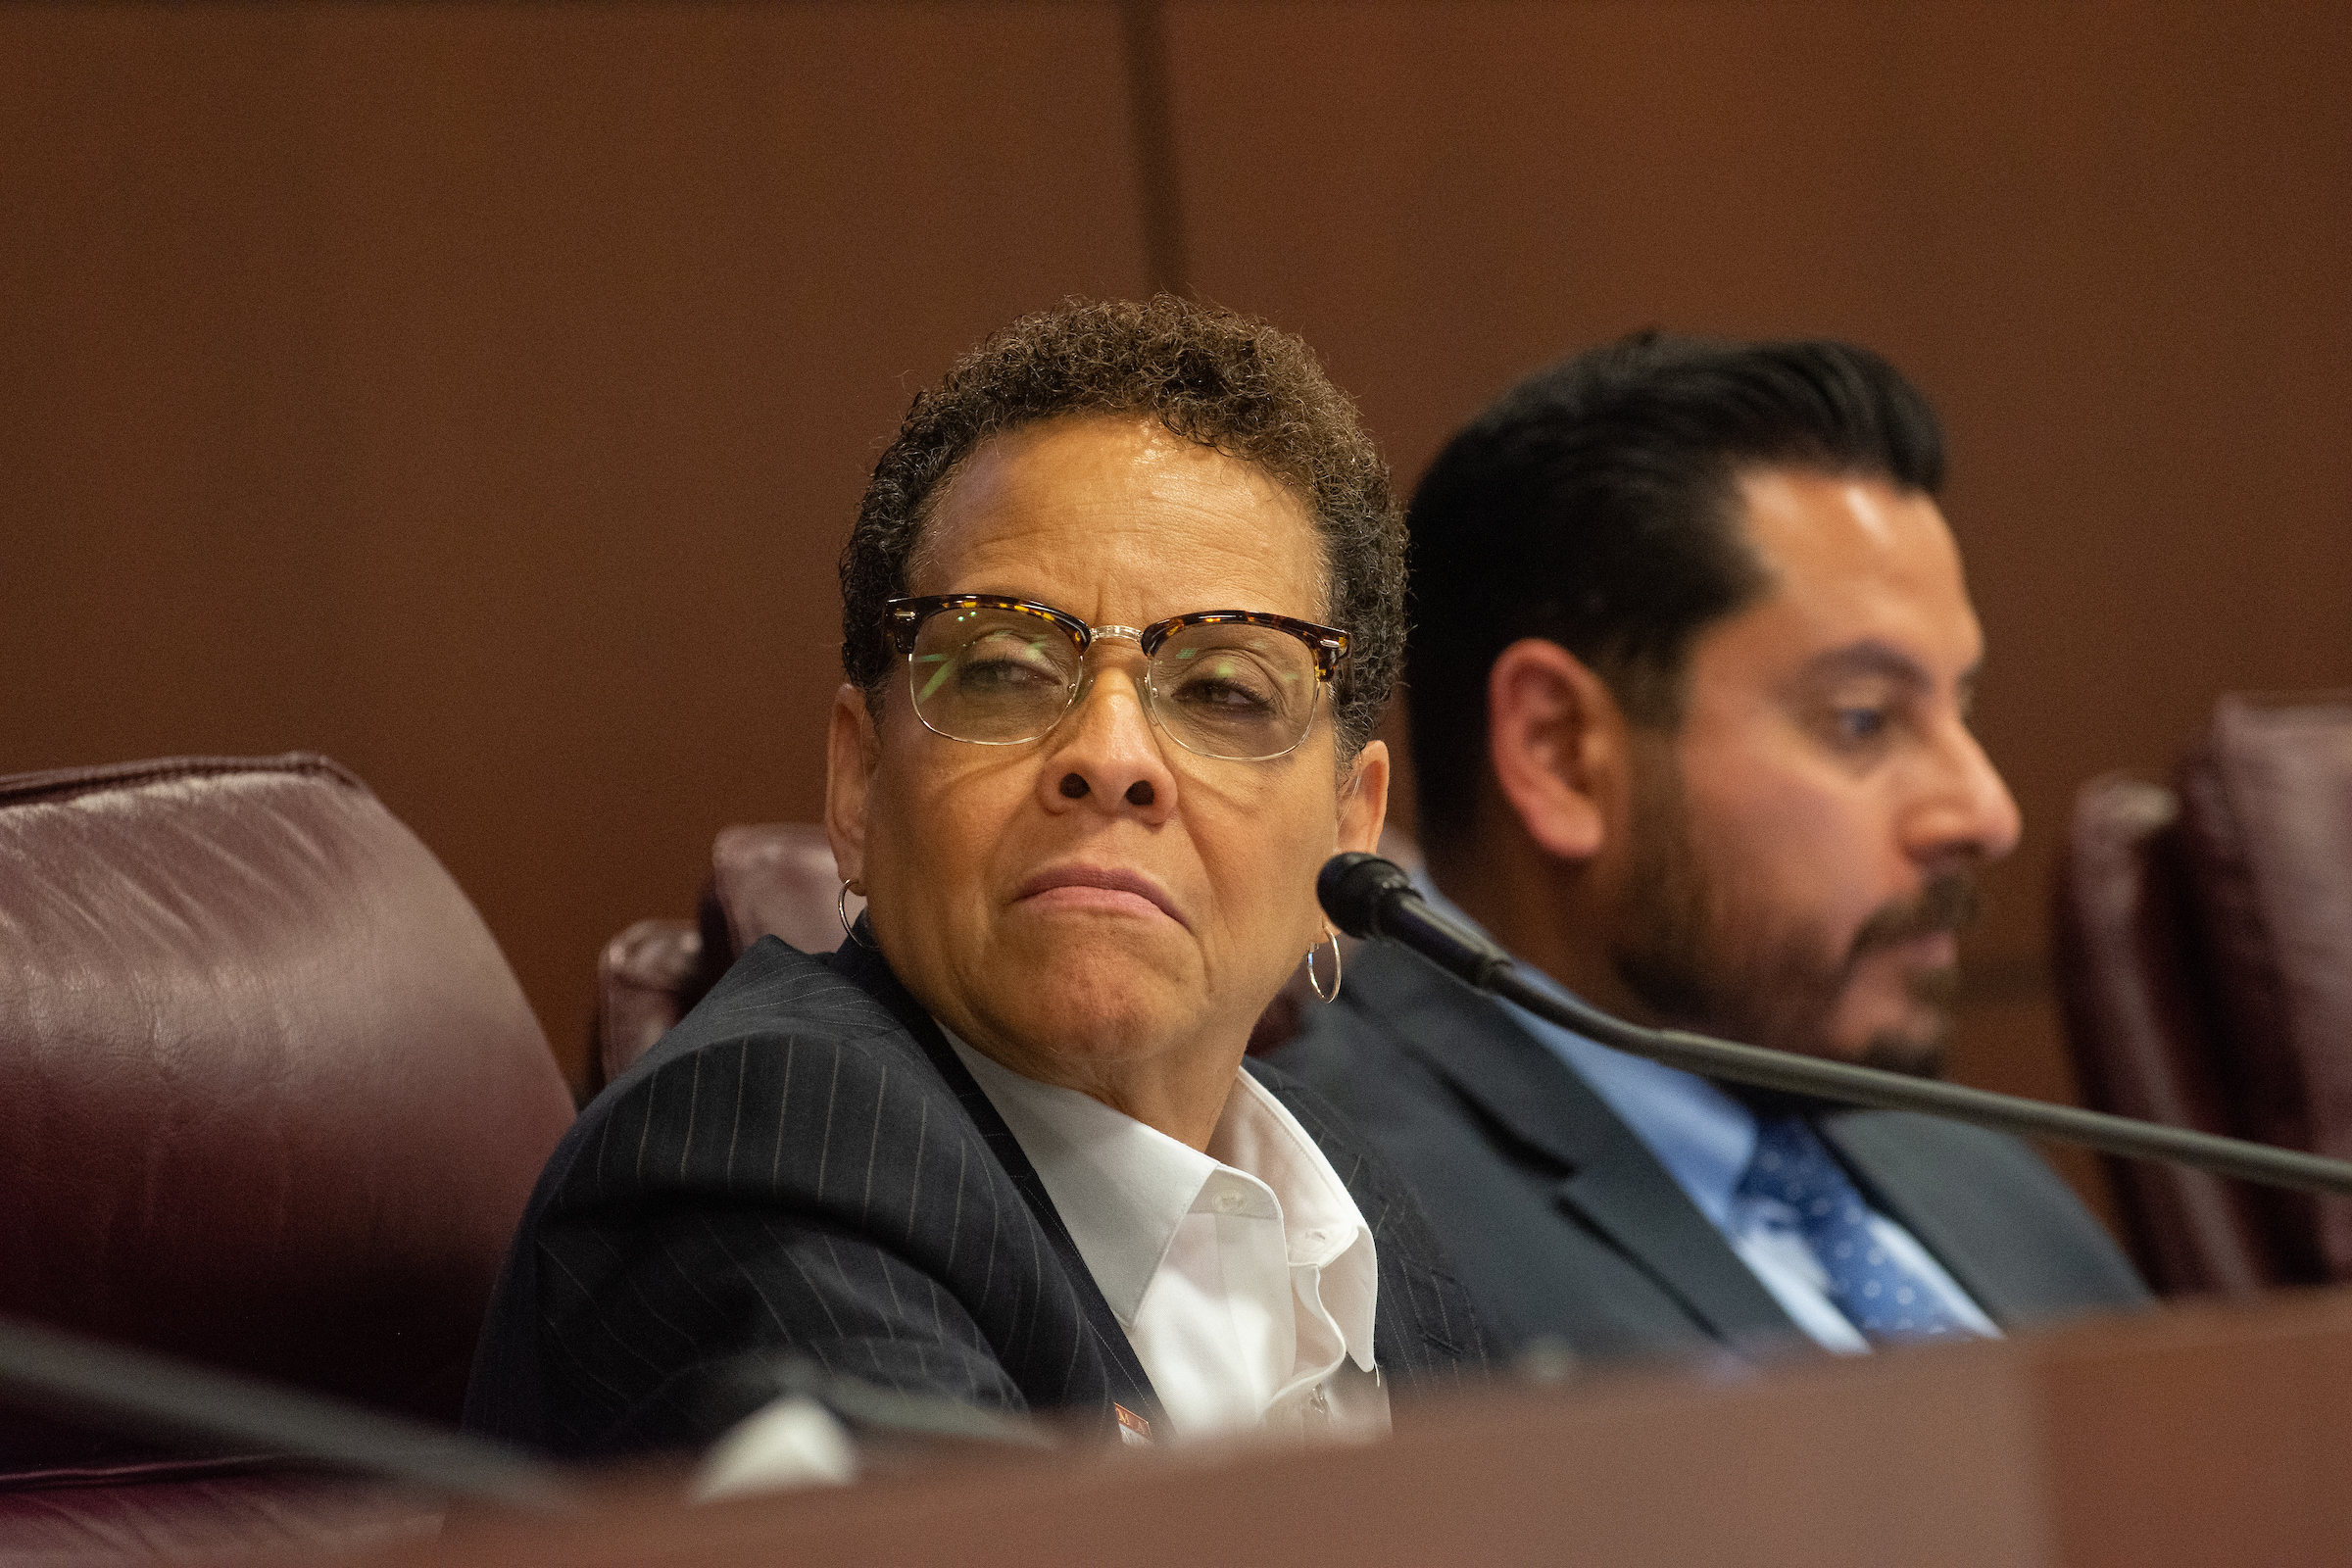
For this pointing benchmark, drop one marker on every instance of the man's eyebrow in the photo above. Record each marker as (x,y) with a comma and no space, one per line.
(1870,658)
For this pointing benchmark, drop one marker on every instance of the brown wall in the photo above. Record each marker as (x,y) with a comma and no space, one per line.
(480,395)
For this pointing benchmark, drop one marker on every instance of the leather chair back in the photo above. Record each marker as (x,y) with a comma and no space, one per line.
(766,878)
(272,1100)
(2267,800)
(772,879)
(2205,938)
(2147,1035)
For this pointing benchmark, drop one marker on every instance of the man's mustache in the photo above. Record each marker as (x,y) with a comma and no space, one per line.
(1947,902)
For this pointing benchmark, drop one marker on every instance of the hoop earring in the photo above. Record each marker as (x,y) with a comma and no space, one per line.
(841,909)
(1314,984)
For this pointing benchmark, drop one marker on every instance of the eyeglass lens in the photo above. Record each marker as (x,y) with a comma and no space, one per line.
(1001,676)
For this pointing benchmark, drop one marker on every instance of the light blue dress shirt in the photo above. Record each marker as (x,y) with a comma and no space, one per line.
(1705,1139)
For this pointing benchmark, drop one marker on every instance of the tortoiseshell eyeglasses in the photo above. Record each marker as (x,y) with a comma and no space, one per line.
(1227,683)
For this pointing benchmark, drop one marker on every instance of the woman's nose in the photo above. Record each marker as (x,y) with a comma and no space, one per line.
(1106,755)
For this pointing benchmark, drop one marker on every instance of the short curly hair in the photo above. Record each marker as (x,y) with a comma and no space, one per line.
(1238,386)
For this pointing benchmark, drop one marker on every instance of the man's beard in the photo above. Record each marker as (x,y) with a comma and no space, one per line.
(1700,960)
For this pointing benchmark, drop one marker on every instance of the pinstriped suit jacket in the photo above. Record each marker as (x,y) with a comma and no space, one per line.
(803,1167)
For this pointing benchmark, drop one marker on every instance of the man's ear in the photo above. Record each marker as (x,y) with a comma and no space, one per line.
(1558,744)
(1364,799)
(851,749)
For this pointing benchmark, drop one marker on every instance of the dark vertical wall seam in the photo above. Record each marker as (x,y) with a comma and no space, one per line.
(1143,35)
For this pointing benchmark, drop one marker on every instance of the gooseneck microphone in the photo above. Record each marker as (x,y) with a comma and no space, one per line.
(1374,899)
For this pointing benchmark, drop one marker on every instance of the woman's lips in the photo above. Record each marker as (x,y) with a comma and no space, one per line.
(1099,888)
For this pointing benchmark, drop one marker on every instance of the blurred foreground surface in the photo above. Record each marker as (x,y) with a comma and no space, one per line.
(2198,1436)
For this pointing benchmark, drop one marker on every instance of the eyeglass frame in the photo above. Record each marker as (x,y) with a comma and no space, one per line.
(904,620)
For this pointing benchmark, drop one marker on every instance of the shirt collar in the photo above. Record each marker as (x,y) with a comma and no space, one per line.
(1322,1228)
(1122,1188)
(1702,1136)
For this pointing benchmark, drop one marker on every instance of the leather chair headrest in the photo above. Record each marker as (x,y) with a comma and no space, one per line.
(2267,808)
(270,1094)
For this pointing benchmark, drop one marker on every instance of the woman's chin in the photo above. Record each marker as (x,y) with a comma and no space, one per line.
(1082,998)
(1109,1025)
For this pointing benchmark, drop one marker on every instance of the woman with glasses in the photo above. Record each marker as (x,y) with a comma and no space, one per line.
(1120,608)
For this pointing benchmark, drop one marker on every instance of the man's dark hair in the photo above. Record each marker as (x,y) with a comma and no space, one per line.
(1596,505)
(1239,386)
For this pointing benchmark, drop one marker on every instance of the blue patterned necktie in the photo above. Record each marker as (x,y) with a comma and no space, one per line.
(1877,1294)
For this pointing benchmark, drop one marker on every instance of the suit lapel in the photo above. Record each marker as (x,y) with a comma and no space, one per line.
(1612,1181)
(1129,1384)
(1884,1158)
(1424,1324)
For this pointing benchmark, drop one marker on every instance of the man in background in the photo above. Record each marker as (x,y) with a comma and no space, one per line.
(1690,675)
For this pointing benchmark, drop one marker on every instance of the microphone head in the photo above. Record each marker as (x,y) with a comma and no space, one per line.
(1354,888)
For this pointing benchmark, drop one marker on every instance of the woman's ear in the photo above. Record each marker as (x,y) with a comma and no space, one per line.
(852,748)
(1558,744)
(1364,800)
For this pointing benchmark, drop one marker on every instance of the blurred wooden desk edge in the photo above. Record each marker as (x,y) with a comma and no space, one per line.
(2202,1434)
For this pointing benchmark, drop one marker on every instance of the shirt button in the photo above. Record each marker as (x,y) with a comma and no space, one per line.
(1228,1200)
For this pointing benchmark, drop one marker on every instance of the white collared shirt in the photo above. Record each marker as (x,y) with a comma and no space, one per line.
(1244,1277)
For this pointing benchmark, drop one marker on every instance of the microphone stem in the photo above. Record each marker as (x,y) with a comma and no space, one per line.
(117,1388)
(1885,1091)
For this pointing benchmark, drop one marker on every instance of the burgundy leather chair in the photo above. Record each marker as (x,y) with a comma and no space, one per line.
(779,878)
(270,1099)
(765,877)
(2205,960)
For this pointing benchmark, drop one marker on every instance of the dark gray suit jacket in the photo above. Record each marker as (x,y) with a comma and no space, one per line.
(1564,1224)
(803,1168)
